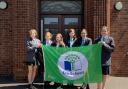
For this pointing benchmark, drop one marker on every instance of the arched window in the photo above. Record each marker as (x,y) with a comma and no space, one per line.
(61,7)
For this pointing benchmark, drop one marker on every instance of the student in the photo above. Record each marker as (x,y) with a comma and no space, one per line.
(71,40)
(84,41)
(108,46)
(48,37)
(58,43)
(47,42)
(32,43)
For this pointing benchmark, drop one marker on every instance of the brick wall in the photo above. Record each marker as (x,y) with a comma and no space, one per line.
(15,21)
(96,15)
(25,18)
(119,30)
(5,41)
(88,17)
(102,12)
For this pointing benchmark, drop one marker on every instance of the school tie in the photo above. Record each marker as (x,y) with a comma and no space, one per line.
(104,38)
(47,42)
(71,42)
(83,41)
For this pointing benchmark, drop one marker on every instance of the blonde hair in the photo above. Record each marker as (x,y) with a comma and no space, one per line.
(61,41)
(33,31)
(84,30)
(48,34)
(105,27)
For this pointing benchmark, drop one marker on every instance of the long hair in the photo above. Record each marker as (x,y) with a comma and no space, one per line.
(32,31)
(61,41)
(72,30)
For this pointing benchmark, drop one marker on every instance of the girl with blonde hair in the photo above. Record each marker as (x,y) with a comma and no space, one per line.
(108,46)
(32,43)
(48,37)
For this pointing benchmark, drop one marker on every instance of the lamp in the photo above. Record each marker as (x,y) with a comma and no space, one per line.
(118,6)
(3,5)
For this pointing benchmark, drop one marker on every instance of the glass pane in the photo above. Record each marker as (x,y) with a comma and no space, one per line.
(53,31)
(65,7)
(71,21)
(50,20)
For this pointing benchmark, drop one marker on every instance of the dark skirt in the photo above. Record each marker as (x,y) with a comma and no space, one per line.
(105,70)
(32,63)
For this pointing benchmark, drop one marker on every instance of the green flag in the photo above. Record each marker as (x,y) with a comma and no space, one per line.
(74,65)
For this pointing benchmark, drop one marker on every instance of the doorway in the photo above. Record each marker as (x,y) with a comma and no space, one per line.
(58,16)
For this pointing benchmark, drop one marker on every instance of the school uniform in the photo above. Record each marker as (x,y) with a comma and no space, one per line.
(71,42)
(83,41)
(47,42)
(108,46)
(31,45)
(56,45)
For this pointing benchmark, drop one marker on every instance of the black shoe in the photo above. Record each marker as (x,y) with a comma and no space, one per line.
(57,84)
(28,86)
(85,85)
(71,86)
(81,88)
(59,87)
(47,83)
(33,87)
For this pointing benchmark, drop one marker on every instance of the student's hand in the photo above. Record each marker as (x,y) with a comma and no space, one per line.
(99,42)
(39,45)
(102,42)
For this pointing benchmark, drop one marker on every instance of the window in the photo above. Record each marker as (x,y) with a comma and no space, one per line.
(51,20)
(70,21)
(61,7)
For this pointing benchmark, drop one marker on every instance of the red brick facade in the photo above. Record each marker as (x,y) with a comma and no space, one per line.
(22,15)
(119,30)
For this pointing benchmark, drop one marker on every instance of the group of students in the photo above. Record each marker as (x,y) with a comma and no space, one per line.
(107,42)
(71,40)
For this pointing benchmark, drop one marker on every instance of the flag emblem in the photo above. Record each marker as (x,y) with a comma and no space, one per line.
(73,65)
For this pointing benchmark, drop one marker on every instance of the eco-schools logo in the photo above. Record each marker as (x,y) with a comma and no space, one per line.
(73,65)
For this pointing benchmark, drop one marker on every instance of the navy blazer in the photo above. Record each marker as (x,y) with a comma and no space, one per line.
(106,50)
(54,45)
(31,51)
(88,41)
(67,42)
